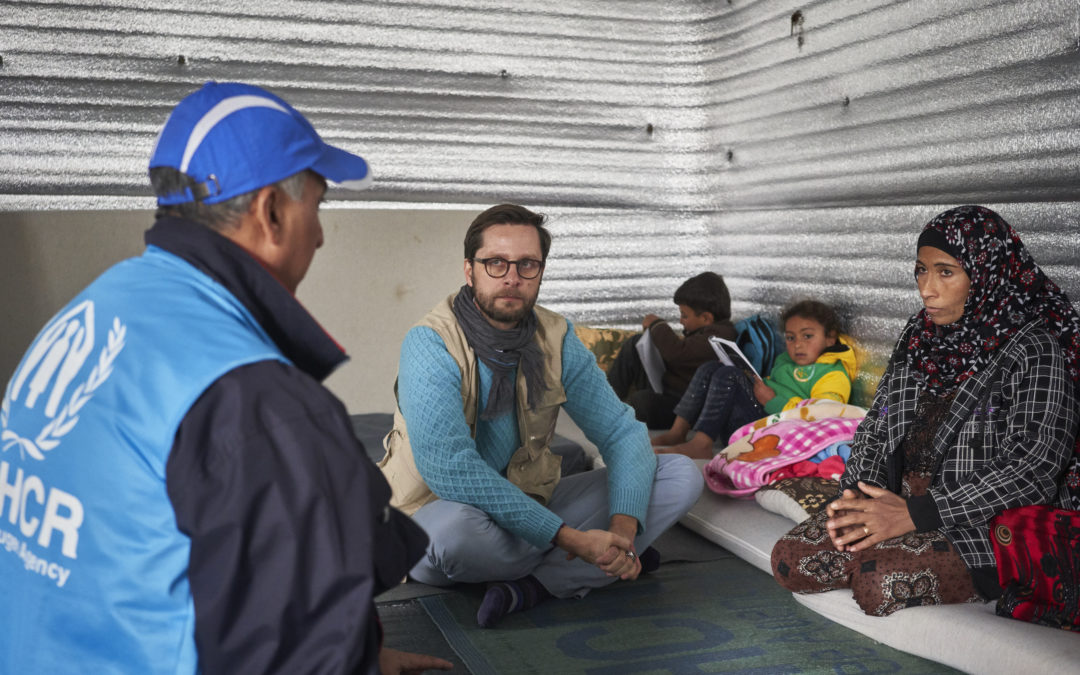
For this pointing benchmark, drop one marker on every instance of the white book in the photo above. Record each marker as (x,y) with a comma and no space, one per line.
(652,361)
(727,351)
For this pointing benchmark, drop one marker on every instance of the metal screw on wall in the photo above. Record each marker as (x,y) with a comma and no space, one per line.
(649,128)
(504,74)
(797,21)
(181,60)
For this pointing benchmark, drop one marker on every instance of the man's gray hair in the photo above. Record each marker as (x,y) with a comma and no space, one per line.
(223,216)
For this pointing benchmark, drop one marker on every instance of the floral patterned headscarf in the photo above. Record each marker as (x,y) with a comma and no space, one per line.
(1007,291)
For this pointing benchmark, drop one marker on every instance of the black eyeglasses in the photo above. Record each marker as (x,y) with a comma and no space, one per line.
(527,268)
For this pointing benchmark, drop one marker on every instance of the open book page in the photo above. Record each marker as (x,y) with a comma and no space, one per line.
(652,361)
(729,354)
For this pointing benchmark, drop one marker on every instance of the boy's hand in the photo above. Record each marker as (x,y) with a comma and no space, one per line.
(649,320)
(763,392)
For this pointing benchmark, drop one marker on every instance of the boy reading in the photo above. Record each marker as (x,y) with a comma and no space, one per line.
(704,311)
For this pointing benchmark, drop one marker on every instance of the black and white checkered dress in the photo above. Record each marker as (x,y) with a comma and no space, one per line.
(1005,442)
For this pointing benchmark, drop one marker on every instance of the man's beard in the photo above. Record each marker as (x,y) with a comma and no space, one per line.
(486,303)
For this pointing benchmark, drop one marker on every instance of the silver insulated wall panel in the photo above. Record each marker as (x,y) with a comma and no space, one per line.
(547,103)
(795,147)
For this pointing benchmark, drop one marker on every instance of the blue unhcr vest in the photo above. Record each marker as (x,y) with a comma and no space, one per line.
(93,571)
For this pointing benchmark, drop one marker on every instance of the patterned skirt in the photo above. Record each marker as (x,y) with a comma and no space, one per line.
(917,568)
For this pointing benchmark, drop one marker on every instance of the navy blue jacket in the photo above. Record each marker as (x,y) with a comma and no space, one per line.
(291,532)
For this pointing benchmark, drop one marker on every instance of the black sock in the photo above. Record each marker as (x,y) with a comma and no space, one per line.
(506,597)
(650,560)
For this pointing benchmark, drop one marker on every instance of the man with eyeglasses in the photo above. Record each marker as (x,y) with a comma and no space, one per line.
(481,381)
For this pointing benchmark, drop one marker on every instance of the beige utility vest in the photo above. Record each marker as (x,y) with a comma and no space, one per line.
(533,467)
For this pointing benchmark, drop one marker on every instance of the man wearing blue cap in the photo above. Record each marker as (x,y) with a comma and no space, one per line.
(183,494)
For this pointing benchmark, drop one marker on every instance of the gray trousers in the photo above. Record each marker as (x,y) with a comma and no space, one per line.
(468,546)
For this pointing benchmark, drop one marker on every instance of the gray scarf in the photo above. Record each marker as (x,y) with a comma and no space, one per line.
(502,350)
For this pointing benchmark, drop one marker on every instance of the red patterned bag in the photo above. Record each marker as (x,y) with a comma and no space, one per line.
(1038,559)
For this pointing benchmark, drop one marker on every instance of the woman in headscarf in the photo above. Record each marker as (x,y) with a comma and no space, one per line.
(975,413)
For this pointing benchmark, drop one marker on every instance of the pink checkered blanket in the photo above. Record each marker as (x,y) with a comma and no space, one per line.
(746,465)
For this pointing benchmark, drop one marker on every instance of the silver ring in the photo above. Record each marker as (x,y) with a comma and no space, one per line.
(630,554)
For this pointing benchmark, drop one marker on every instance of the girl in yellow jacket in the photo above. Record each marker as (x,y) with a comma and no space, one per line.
(818,363)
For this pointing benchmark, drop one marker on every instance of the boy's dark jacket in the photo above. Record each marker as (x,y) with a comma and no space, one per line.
(683,355)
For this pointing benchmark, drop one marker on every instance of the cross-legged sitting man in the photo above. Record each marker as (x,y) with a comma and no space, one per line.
(481,381)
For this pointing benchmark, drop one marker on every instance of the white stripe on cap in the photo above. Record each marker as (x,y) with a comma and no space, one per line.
(219,112)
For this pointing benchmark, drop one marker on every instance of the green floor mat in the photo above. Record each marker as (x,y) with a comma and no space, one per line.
(722,616)
(406,627)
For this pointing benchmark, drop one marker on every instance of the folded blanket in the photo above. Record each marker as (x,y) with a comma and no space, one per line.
(777,441)
(833,468)
(841,450)
(809,410)
(797,498)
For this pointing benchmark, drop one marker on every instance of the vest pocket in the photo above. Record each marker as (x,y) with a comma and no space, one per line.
(410,492)
(536,472)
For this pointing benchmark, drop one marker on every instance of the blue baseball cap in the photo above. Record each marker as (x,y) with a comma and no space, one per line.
(232,138)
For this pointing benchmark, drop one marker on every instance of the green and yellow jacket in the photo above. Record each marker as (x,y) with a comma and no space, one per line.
(828,377)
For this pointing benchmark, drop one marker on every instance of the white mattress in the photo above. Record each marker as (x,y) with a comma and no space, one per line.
(967,637)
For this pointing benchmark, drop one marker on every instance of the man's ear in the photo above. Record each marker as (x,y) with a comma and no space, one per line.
(264,211)
(468,272)
(258,231)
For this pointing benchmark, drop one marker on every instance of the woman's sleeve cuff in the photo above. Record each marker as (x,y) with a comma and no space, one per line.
(924,513)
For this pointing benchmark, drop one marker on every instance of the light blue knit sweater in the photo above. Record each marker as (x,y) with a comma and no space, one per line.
(458,469)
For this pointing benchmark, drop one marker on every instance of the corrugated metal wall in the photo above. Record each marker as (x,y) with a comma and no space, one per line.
(452,101)
(795,147)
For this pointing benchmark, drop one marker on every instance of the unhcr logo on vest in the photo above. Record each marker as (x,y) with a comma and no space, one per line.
(48,373)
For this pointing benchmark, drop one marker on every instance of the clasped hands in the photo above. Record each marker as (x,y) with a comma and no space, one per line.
(611,550)
(858,520)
